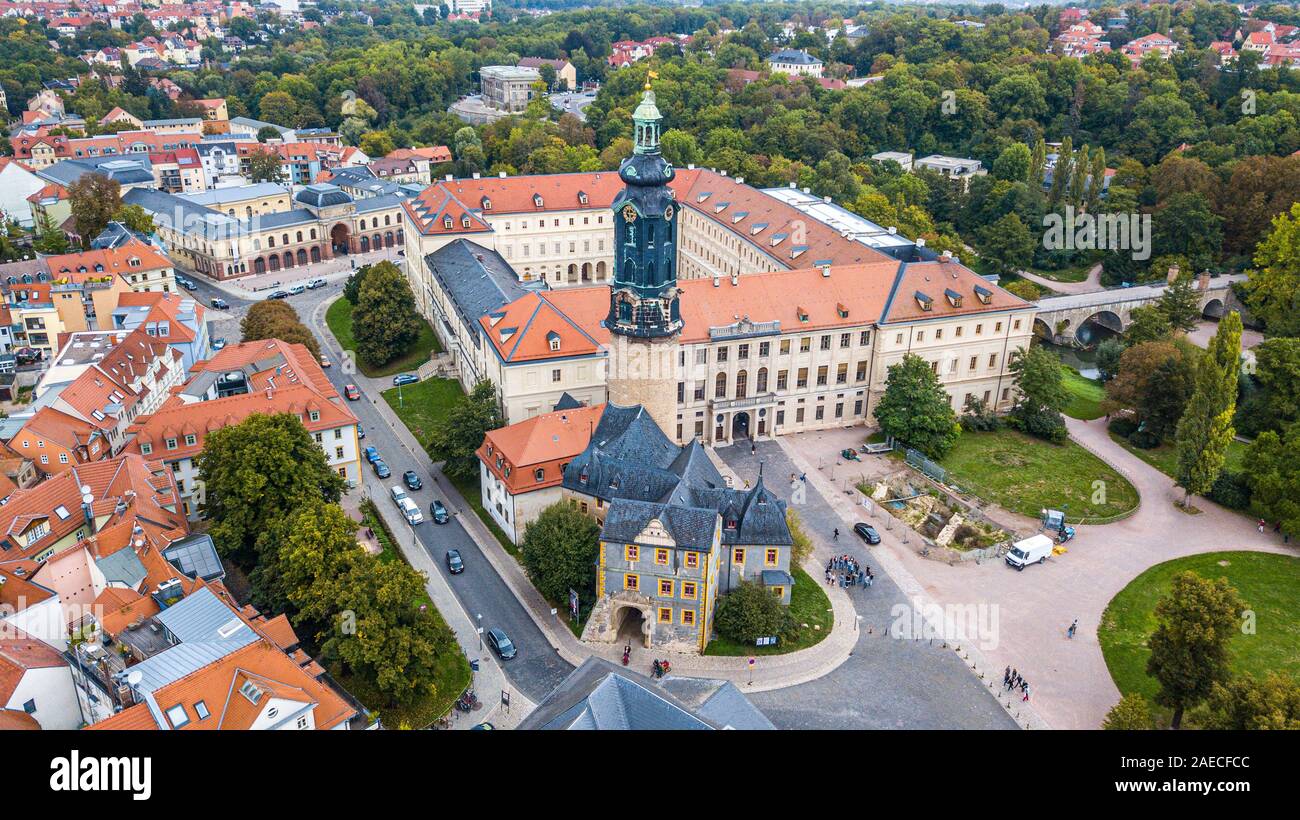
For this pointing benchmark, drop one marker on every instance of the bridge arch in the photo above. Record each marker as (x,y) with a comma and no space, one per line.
(1214,309)
(1107,319)
(1041,330)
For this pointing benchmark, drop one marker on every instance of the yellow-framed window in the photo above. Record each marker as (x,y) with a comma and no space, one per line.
(631,552)
(661,557)
(738,555)
(688,617)
(632,581)
(665,588)
(688,590)
(778,591)
(769,557)
(665,614)
(692,560)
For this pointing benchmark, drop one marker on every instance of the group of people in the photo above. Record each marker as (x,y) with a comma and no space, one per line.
(1011,681)
(844,570)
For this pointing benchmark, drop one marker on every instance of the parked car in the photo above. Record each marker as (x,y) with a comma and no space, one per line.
(381,469)
(297,289)
(372,454)
(454,564)
(412,480)
(361,431)
(278,294)
(325,361)
(219,303)
(501,644)
(351,392)
(868,533)
(315,283)
(405,378)
(218,343)
(438,512)
(189,284)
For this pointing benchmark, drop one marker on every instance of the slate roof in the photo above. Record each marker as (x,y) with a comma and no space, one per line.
(196,557)
(477,280)
(600,696)
(630,459)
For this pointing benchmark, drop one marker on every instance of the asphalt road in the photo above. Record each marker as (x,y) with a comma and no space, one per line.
(537,669)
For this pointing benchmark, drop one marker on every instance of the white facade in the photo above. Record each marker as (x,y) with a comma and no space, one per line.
(49,695)
(16,184)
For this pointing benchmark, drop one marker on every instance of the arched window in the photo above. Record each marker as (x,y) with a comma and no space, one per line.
(742,384)
(761,386)
(720,386)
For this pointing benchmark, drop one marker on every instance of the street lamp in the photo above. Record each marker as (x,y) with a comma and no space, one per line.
(480,631)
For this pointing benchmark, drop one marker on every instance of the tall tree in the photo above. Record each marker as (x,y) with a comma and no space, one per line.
(1006,246)
(1189,648)
(1132,712)
(466,425)
(1205,429)
(1040,393)
(560,549)
(257,472)
(1273,290)
(384,322)
(1247,704)
(1181,304)
(264,166)
(916,409)
(94,199)
(1273,471)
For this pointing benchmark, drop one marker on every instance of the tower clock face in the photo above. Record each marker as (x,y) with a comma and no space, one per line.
(668,212)
(629,214)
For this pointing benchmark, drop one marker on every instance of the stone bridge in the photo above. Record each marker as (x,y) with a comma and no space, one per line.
(1070,320)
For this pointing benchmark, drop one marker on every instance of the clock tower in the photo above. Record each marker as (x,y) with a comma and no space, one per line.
(644,310)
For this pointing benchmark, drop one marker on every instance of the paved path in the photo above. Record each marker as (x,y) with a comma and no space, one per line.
(1092,283)
(1072,687)
(888,682)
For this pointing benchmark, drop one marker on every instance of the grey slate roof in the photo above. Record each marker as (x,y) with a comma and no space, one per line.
(690,527)
(717,700)
(599,695)
(477,280)
(322,195)
(630,458)
(122,568)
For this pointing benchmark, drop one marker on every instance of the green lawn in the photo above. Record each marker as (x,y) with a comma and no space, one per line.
(339,319)
(808,604)
(1165,457)
(452,673)
(423,407)
(1268,584)
(1075,274)
(1085,395)
(1026,475)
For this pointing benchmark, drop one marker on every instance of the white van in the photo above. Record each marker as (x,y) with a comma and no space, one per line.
(411,511)
(1033,550)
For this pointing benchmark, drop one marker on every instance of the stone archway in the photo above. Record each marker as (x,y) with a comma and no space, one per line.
(340,239)
(623,613)
(634,625)
(1109,320)
(1213,309)
(740,425)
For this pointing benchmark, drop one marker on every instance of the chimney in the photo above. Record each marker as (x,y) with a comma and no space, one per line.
(807,190)
(690,166)
(741,180)
(1173,275)
(717,281)
(87,499)
(946,257)
(826,271)
(476,175)
(501,174)
(1203,281)
(920,243)
(448,178)
(735,280)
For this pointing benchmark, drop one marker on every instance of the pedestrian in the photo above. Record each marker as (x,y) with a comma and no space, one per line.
(747,484)
(837,534)
(1069,633)
(753,448)
(1006,678)
(803,477)
(1025,699)
(1261,525)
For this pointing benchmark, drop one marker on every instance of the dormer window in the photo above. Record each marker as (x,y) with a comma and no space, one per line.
(801,313)
(464,220)
(924,301)
(983,294)
(539,474)
(583,476)
(954,298)
(487,204)
(314,415)
(842,310)
(582,197)
(732,523)
(537,200)
(447,221)
(554,341)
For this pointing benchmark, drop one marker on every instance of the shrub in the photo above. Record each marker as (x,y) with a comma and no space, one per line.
(1144,440)
(1123,426)
(979,417)
(750,612)
(1232,490)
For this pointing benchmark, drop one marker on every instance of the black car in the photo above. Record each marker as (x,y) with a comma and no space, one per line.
(438,512)
(501,644)
(188,285)
(278,294)
(454,565)
(361,431)
(381,469)
(412,480)
(867,533)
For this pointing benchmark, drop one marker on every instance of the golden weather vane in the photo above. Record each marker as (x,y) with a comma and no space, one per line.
(650,75)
